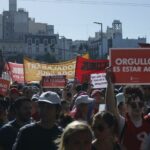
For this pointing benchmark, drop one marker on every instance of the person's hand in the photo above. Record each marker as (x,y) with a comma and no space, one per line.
(109,75)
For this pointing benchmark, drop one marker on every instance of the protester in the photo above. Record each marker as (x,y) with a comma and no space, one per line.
(27,91)
(81,110)
(121,104)
(99,99)
(35,108)
(77,90)
(104,126)
(9,131)
(3,112)
(76,136)
(13,94)
(65,117)
(44,134)
(133,127)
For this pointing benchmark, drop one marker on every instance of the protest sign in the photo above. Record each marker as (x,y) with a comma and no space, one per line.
(16,72)
(58,81)
(34,70)
(4,85)
(130,66)
(85,67)
(99,80)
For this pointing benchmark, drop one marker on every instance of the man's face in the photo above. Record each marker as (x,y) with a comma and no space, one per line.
(24,112)
(47,111)
(135,107)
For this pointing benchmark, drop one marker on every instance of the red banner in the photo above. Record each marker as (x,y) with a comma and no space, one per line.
(58,81)
(16,72)
(4,85)
(86,67)
(131,66)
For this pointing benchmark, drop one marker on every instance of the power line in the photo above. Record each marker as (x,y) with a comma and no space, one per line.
(96,2)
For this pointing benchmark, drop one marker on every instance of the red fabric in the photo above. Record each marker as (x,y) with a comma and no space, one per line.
(133,136)
(16,72)
(85,67)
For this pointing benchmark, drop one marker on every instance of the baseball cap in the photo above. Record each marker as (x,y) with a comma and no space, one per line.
(35,97)
(120,98)
(50,97)
(83,99)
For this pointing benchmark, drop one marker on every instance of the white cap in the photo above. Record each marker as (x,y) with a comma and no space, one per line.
(120,98)
(83,99)
(50,97)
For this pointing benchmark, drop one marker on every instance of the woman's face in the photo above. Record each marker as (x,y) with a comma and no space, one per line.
(79,141)
(101,130)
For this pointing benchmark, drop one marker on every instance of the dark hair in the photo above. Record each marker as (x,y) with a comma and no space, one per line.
(85,86)
(19,101)
(69,94)
(132,92)
(108,118)
(78,87)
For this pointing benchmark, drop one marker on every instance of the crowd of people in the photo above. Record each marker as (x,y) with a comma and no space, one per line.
(33,118)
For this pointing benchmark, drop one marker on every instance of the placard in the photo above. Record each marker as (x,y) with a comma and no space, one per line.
(58,81)
(130,66)
(98,80)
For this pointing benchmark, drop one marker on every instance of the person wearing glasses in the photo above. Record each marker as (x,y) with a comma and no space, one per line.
(133,128)
(104,126)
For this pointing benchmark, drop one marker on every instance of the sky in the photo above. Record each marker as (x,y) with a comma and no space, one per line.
(74,18)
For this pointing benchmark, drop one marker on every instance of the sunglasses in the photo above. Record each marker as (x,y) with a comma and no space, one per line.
(100,128)
(135,105)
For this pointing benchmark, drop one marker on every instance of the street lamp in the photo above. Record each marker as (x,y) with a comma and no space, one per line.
(63,42)
(101,40)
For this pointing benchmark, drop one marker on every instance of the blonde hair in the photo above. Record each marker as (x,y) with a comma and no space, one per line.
(72,128)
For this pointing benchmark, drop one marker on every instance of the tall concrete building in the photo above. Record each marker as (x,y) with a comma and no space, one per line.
(15,23)
(1,27)
(40,28)
(13,5)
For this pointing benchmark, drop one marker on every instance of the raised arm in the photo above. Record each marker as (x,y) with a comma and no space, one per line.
(110,95)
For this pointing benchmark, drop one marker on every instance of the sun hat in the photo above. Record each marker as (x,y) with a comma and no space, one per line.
(83,99)
(50,97)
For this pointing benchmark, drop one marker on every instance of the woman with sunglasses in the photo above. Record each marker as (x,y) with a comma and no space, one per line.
(104,126)
(133,128)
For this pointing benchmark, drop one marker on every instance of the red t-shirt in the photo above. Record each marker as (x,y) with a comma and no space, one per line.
(134,137)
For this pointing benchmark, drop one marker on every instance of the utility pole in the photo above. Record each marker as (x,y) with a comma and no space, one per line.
(101,39)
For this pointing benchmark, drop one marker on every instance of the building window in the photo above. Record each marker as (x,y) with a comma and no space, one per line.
(37,48)
(45,49)
(36,42)
(52,41)
(45,42)
(29,41)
